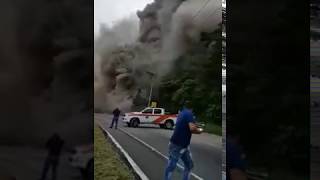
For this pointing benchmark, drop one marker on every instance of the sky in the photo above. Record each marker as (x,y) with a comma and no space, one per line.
(109,11)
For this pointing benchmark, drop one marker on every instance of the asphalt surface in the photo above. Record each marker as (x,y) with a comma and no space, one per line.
(26,163)
(315,129)
(206,149)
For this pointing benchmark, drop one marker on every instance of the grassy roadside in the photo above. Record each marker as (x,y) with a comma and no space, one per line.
(213,129)
(107,163)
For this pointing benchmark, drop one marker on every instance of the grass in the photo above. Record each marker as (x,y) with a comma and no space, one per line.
(107,163)
(213,129)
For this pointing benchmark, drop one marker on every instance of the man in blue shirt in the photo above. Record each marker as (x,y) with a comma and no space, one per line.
(180,141)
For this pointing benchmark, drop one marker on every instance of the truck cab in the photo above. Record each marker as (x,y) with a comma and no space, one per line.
(150,115)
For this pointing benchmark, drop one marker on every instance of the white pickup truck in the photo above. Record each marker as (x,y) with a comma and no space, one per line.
(150,116)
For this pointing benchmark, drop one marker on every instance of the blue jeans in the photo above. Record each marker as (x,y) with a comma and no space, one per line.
(175,153)
(114,121)
(50,162)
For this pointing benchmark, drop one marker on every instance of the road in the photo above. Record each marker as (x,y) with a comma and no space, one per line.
(315,129)
(206,149)
(26,163)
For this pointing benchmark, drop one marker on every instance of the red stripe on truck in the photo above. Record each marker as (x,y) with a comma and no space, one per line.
(163,117)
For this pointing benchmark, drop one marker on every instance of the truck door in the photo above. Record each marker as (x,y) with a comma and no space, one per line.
(147,116)
(157,113)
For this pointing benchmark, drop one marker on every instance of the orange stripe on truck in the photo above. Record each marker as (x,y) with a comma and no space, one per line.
(163,117)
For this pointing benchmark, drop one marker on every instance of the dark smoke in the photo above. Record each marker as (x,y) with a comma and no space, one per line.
(166,30)
(46,68)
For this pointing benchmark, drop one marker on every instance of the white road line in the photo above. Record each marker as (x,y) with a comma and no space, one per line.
(156,151)
(135,167)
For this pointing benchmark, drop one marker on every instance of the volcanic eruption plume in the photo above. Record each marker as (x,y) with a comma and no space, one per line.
(167,28)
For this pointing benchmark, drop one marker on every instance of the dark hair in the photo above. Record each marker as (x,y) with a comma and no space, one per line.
(188,104)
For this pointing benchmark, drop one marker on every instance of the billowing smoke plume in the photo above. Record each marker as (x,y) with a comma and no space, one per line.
(186,24)
(167,28)
(118,61)
(46,60)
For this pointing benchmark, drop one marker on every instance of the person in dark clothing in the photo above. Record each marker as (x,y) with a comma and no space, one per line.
(236,162)
(116,113)
(180,141)
(54,146)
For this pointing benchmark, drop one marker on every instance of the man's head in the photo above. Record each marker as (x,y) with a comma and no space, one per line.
(55,135)
(188,104)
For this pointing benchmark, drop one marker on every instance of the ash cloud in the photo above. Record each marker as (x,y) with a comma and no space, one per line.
(46,62)
(167,28)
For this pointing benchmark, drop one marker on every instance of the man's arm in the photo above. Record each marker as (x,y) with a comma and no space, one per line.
(194,128)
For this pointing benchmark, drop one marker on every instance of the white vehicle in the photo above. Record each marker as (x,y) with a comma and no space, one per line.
(150,116)
(82,158)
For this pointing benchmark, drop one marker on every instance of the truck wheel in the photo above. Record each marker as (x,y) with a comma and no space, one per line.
(169,124)
(134,122)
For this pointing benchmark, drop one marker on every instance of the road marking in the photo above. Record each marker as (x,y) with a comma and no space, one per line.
(135,167)
(156,151)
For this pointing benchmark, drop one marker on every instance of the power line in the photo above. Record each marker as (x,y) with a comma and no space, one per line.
(205,4)
(209,13)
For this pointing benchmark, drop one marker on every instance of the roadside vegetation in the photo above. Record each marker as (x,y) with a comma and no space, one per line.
(213,129)
(107,163)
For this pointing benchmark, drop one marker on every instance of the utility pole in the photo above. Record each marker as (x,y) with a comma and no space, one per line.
(150,94)
(151,87)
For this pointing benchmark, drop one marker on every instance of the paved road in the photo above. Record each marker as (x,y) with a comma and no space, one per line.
(26,163)
(206,149)
(315,129)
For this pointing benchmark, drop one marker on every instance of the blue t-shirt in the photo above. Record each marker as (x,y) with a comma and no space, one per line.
(182,134)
